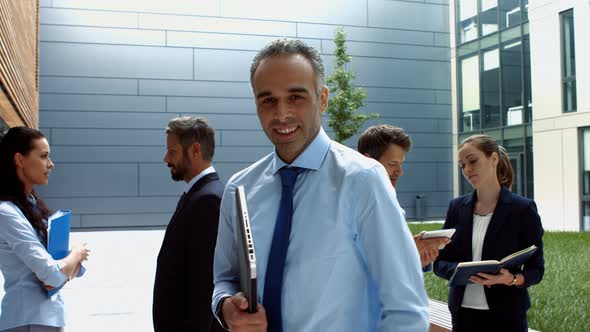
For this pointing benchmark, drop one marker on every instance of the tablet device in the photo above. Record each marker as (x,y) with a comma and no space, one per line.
(448,233)
(246,254)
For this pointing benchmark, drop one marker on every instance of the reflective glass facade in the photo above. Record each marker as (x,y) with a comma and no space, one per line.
(494,80)
(3,127)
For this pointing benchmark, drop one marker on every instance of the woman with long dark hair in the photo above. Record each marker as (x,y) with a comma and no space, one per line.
(28,269)
(491,223)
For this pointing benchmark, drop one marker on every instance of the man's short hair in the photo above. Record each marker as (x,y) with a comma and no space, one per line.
(376,140)
(291,47)
(189,130)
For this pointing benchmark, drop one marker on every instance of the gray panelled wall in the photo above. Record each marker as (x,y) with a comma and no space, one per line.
(113,72)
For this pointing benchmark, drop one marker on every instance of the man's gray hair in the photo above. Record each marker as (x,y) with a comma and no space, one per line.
(189,130)
(291,47)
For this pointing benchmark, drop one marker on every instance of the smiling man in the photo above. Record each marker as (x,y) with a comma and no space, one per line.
(333,251)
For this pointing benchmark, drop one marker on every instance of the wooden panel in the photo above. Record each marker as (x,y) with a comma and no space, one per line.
(19,62)
(7,112)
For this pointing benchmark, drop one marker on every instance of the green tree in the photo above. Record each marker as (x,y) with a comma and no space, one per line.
(345,99)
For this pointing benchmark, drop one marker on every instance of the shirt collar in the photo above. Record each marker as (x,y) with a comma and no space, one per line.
(311,158)
(192,182)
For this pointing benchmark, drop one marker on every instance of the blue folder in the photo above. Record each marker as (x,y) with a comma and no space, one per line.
(58,238)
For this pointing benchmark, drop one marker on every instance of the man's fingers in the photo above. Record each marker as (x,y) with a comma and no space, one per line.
(240,301)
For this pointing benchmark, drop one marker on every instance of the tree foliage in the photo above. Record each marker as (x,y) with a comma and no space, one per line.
(345,99)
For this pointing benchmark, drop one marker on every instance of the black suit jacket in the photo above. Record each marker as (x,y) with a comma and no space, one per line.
(184,274)
(515,225)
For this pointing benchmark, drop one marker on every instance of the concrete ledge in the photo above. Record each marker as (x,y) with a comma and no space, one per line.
(440,317)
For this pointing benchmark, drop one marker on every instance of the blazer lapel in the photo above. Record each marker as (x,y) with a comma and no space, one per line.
(466,221)
(179,206)
(185,197)
(499,218)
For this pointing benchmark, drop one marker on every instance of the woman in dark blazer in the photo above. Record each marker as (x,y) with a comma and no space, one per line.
(491,223)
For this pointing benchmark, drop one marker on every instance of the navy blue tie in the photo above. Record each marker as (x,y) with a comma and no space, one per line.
(273,281)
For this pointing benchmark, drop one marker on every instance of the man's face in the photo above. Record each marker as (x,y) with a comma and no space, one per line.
(287,103)
(176,158)
(392,159)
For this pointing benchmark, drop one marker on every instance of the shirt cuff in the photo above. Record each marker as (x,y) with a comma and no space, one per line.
(219,313)
(56,279)
(81,271)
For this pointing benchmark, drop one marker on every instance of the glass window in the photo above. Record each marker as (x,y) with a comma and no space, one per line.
(488,18)
(467,49)
(509,13)
(510,59)
(517,161)
(514,136)
(495,133)
(585,179)
(467,23)
(3,128)
(490,89)
(528,101)
(514,142)
(528,167)
(469,69)
(464,185)
(525,10)
(568,67)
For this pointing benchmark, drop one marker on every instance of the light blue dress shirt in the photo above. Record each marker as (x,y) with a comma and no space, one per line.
(22,256)
(352,264)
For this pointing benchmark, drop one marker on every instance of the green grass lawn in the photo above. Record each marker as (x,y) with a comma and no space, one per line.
(561,302)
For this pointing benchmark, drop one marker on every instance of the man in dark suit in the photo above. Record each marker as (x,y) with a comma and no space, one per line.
(184,273)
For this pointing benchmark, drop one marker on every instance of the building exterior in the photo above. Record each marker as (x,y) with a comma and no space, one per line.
(560,59)
(491,81)
(113,72)
(19,64)
(518,72)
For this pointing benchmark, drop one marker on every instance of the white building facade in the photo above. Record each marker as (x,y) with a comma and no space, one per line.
(560,71)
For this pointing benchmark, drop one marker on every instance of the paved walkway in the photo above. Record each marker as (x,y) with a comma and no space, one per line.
(115,295)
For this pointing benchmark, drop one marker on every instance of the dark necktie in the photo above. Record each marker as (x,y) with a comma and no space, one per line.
(273,281)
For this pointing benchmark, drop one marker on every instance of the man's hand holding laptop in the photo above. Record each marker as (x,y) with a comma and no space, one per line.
(236,315)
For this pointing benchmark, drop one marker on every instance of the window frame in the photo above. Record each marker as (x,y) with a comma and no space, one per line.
(566,78)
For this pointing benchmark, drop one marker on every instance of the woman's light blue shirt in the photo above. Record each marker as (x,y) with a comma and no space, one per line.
(22,256)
